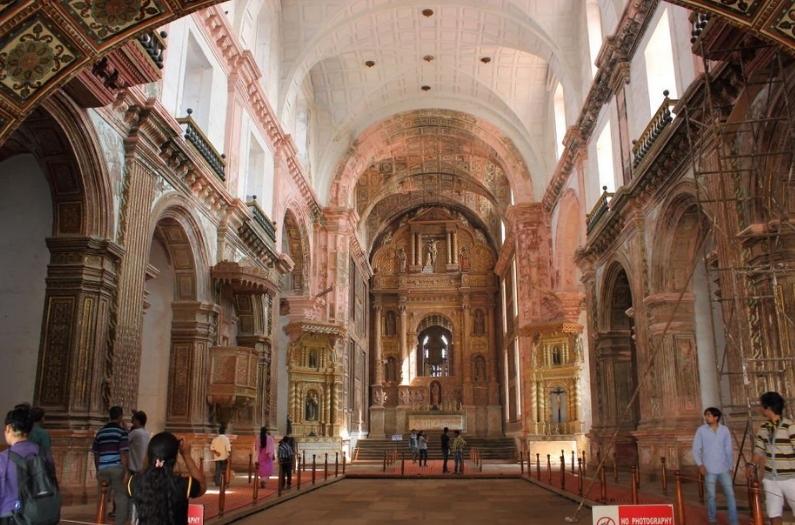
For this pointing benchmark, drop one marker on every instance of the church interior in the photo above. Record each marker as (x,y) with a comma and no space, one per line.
(561,227)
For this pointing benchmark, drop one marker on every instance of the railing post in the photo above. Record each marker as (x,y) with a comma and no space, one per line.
(538,466)
(549,469)
(637,475)
(521,463)
(228,473)
(584,464)
(325,467)
(402,464)
(384,469)
(314,465)
(344,461)
(756,504)
(615,469)
(279,483)
(298,471)
(602,485)
(303,459)
(222,496)
(663,475)
(255,487)
(572,461)
(336,464)
(103,495)
(634,484)
(562,471)
(679,501)
(700,487)
(250,465)
(579,477)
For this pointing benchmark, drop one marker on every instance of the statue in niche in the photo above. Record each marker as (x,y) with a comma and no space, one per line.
(311,406)
(480,322)
(401,258)
(480,369)
(313,360)
(463,258)
(430,254)
(436,395)
(557,355)
(390,328)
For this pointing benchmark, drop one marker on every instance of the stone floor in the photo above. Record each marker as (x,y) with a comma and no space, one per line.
(461,501)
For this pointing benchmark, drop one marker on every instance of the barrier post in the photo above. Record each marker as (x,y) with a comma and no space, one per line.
(756,504)
(384,469)
(103,495)
(344,460)
(279,483)
(602,485)
(562,471)
(615,469)
(549,469)
(298,471)
(634,484)
(250,466)
(314,465)
(637,475)
(572,461)
(336,464)
(538,466)
(579,477)
(228,473)
(701,487)
(222,496)
(521,463)
(584,464)
(679,501)
(255,486)
(303,459)
(663,475)
(325,467)
(402,464)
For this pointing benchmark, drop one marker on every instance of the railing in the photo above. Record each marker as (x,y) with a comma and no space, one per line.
(659,121)
(261,219)
(154,43)
(195,136)
(699,22)
(599,209)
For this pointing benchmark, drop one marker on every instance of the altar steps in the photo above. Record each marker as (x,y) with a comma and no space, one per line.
(491,449)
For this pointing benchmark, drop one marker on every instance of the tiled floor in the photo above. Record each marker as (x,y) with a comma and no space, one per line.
(460,501)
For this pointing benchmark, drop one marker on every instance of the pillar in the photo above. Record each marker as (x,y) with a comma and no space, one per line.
(406,373)
(379,358)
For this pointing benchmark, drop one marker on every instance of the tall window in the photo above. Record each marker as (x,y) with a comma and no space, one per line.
(660,69)
(559,107)
(197,84)
(259,174)
(604,159)
(594,21)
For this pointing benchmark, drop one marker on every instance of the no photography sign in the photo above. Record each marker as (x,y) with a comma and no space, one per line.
(633,515)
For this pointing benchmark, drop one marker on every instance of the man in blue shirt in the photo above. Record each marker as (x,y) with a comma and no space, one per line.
(713,453)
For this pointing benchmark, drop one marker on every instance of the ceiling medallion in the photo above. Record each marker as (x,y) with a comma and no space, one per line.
(485,60)
(427,12)
(428,58)
(369,63)
(426,88)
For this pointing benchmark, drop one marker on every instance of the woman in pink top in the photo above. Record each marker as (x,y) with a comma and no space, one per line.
(265,453)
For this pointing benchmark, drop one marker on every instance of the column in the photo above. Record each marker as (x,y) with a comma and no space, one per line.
(406,372)
(618,84)
(449,247)
(379,358)
(464,364)
(493,356)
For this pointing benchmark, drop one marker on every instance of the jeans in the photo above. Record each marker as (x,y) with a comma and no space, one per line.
(220,471)
(725,479)
(459,461)
(115,476)
(286,473)
(424,456)
(445,457)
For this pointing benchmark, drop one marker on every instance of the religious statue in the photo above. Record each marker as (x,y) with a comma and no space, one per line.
(480,323)
(436,395)
(480,369)
(311,407)
(430,253)
(463,259)
(401,257)
(390,328)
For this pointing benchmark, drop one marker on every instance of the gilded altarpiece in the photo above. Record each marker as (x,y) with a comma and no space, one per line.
(434,351)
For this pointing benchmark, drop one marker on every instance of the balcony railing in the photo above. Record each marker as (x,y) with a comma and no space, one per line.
(154,43)
(195,136)
(599,210)
(261,219)
(699,22)
(659,121)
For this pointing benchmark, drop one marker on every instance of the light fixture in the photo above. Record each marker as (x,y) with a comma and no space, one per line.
(428,58)
(426,88)
(369,63)
(485,60)
(427,12)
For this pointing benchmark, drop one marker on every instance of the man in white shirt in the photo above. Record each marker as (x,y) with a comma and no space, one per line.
(139,441)
(221,448)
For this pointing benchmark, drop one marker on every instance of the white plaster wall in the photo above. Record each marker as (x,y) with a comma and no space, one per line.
(156,341)
(26,216)
(112,147)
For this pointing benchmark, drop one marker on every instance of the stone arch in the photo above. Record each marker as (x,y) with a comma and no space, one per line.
(567,239)
(295,242)
(435,319)
(616,293)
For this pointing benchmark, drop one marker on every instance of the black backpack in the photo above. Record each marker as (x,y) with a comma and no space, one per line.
(38,491)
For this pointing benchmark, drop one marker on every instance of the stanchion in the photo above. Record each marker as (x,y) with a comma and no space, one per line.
(298,471)
(562,471)
(201,464)
(336,464)
(103,495)
(384,469)
(279,483)
(222,496)
(521,463)
(584,464)
(228,472)
(572,461)
(579,477)
(402,464)
(633,481)
(344,461)
(250,465)
(538,466)
(549,469)
(756,504)
(637,475)
(663,476)
(602,485)
(325,467)
(615,469)
(303,459)
(255,487)
(314,465)
(701,487)
(679,500)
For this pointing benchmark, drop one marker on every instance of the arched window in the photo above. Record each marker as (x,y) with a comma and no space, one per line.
(594,21)
(197,85)
(604,159)
(660,68)
(559,107)
(434,352)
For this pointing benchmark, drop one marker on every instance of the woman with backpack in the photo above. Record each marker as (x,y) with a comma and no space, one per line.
(23,473)
(161,496)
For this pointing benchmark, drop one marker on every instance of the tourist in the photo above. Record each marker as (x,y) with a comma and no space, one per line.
(413,445)
(422,446)
(774,451)
(286,455)
(265,452)
(221,449)
(139,442)
(40,436)
(161,496)
(445,448)
(457,448)
(110,449)
(714,455)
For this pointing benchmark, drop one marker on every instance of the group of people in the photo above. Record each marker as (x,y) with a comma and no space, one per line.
(773,453)
(267,452)
(418,446)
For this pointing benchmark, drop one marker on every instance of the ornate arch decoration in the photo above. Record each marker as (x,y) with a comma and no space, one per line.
(435,319)
(175,226)
(678,237)
(295,242)
(62,138)
(617,281)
